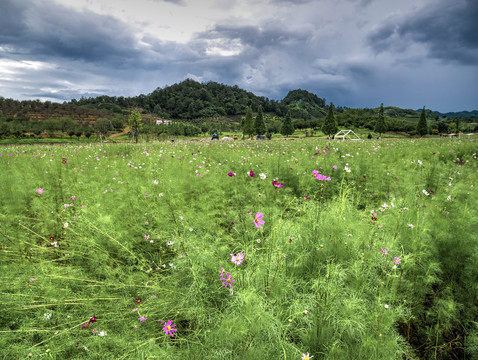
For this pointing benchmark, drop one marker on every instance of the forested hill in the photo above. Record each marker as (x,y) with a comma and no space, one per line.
(189,100)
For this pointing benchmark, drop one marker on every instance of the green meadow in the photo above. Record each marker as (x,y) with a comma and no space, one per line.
(284,249)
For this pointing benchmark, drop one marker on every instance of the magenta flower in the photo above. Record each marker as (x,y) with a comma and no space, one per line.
(277,184)
(40,191)
(251,173)
(231,174)
(237,259)
(335,167)
(168,328)
(396,260)
(258,220)
(384,251)
(227,280)
(142,318)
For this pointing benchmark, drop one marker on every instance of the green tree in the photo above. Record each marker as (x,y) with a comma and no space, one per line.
(118,122)
(135,124)
(380,125)
(422,127)
(259,125)
(457,125)
(70,131)
(88,132)
(329,127)
(78,132)
(287,126)
(248,123)
(102,127)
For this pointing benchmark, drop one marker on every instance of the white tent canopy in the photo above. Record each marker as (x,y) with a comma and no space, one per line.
(346,134)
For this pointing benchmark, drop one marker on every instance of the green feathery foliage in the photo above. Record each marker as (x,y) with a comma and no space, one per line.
(105,244)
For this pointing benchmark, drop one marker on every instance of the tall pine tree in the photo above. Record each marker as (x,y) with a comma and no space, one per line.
(422,127)
(380,125)
(248,125)
(259,125)
(287,128)
(329,127)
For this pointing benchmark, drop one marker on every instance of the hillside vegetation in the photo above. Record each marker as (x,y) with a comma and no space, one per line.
(201,107)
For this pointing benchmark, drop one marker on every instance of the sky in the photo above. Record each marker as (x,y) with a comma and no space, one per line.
(355,53)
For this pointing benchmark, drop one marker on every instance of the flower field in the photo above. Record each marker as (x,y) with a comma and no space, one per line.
(240,250)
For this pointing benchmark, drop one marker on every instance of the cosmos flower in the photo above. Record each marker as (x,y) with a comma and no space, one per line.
(228,281)
(237,259)
(168,328)
(258,220)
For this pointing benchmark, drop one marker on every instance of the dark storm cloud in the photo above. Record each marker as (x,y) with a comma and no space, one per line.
(56,31)
(269,35)
(448,29)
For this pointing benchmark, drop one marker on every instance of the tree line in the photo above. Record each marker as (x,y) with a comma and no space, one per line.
(197,108)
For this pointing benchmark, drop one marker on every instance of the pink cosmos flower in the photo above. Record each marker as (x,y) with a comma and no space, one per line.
(320,176)
(168,328)
(335,167)
(237,259)
(40,191)
(231,174)
(396,260)
(258,220)
(384,251)
(142,318)
(251,173)
(277,184)
(227,280)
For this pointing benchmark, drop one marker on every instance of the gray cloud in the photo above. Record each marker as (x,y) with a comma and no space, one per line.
(448,30)
(296,2)
(46,32)
(53,52)
(177,2)
(272,35)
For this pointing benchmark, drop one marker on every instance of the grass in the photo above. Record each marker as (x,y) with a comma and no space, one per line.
(365,266)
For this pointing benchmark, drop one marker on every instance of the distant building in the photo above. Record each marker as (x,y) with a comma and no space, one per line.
(163,122)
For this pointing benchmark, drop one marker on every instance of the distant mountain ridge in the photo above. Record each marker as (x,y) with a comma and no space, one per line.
(453,115)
